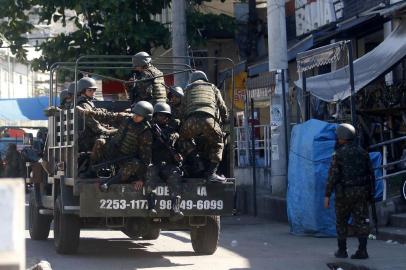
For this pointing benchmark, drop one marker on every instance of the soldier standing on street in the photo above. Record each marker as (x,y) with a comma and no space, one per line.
(13,160)
(92,130)
(352,178)
(151,85)
(133,140)
(204,110)
(166,163)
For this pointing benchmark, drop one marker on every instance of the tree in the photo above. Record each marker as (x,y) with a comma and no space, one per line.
(103,27)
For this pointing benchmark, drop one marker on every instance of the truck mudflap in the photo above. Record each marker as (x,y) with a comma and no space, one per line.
(198,199)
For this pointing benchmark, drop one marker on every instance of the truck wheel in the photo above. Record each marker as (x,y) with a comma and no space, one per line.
(152,234)
(205,239)
(403,191)
(39,225)
(66,230)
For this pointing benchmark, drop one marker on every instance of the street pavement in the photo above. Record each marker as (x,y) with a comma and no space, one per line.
(245,243)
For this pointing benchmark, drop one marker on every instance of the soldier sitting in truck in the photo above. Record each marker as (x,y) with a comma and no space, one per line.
(166,159)
(130,147)
(92,129)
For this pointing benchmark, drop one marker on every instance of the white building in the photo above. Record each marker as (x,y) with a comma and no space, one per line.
(17,80)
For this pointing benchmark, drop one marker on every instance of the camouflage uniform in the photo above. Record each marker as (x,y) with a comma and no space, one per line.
(131,139)
(204,109)
(351,176)
(152,90)
(165,167)
(93,129)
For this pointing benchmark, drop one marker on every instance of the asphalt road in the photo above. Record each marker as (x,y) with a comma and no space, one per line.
(245,243)
(113,250)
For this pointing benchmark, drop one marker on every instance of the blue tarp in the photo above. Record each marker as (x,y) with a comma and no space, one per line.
(23,108)
(312,146)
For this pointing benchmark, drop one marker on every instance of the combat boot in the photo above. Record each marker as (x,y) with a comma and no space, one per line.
(175,211)
(361,253)
(342,249)
(151,204)
(211,174)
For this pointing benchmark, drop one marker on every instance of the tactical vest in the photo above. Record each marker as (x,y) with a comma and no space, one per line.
(354,166)
(126,139)
(150,90)
(200,97)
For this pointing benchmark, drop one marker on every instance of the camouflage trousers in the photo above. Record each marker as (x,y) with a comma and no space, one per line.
(130,170)
(203,128)
(169,173)
(355,207)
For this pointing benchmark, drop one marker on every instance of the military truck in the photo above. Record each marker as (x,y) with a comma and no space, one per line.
(74,203)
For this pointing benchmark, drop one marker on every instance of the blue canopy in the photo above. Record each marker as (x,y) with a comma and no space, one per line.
(24,108)
(312,146)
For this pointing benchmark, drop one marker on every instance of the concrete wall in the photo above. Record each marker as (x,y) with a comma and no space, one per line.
(12,238)
(269,205)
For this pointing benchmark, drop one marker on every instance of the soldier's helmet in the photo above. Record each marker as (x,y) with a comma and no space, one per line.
(85,83)
(141,59)
(71,88)
(176,91)
(162,107)
(345,132)
(64,95)
(198,75)
(143,108)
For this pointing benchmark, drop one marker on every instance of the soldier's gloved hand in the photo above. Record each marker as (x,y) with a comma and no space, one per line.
(326,202)
(173,137)
(51,111)
(178,157)
(138,185)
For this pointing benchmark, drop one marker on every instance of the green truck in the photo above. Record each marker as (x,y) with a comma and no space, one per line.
(75,203)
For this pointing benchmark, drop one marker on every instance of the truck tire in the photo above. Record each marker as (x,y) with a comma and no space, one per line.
(39,225)
(152,234)
(403,191)
(205,239)
(66,230)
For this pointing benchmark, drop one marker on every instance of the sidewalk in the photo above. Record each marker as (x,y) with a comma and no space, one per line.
(270,246)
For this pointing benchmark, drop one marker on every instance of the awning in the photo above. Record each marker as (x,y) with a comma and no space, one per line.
(335,85)
(22,109)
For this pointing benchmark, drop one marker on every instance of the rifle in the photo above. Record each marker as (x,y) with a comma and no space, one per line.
(156,130)
(374,215)
(372,201)
(112,161)
(104,186)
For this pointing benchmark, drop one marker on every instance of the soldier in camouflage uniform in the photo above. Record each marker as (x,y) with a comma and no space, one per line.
(166,164)
(133,140)
(175,97)
(149,83)
(66,97)
(352,178)
(13,161)
(204,109)
(92,129)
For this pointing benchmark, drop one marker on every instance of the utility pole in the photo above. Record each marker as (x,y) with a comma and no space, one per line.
(179,42)
(278,62)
